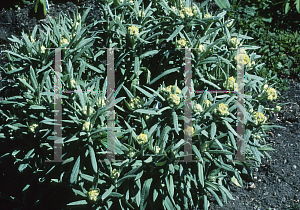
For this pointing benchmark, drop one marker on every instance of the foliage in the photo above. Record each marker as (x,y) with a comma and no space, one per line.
(149,100)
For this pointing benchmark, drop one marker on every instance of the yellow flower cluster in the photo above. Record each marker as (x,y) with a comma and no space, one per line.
(136,103)
(170,89)
(30,38)
(229,24)
(222,109)
(101,102)
(278,108)
(115,174)
(93,195)
(230,84)
(198,108)
(195,10)
(64,41)
(133,31)
(43,49)
(32,127)
(73,83)
(189,131)
(142,138)
(259,118)
(207,16)
(174,99)
(131,153)
(141,14)
(235,42)
(206,104)
(156,149)
(182,43)
(186,12)
(272,94)
(86,126)
(244,57)
(85,111)
(201,48)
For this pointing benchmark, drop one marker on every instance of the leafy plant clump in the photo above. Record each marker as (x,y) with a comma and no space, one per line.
(149,105)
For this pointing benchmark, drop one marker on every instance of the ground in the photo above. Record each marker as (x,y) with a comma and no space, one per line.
(276,183)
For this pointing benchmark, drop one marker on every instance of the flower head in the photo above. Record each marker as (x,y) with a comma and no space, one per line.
(201,48)
(171,89)
(141,14)
(43,49)
(93,194)
(85,111)
(101,102)
(259,118)
(222,109)
(73,83)
(156,149)
(30,38)
(133,31)
(245,58)
(136,103)
(64,41)
(174,99)
(229,84)
(229,24)
(186,12)
(131,153)
(272,94)
(182,43)
(33,127)
(207,16)
(198,108)
(115,174)
(235,42)
(86,126)
(206,103)
(142,138)
(189,131)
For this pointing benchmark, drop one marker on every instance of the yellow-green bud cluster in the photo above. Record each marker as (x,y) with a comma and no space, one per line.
(198,108)
(131,153)
(189,131)
(222,110)
(136,103)
(230,84)
(142,139)
(115,174)
(206,104)
(272,94)
(259,118)
(86,126)
(33,127)
(64,41)
(133,31)
(182,43)
(93,195)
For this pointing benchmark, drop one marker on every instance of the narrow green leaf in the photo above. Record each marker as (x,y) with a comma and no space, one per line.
(108,192)
(26,84)
(200,174)
(146,93)
(176,32)
(145,190)
(75,203)
(215,195)
(136,65)
(93,159)
(177,69)
(175,121)
(75,171)
(213,130)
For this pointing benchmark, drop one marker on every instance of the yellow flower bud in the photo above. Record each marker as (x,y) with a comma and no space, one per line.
(142,139)
(93,194)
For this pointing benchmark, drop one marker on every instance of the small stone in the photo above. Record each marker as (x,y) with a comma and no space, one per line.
(278,135)
(294,166)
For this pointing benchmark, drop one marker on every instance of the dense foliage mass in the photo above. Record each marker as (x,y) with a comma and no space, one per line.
(149,102)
